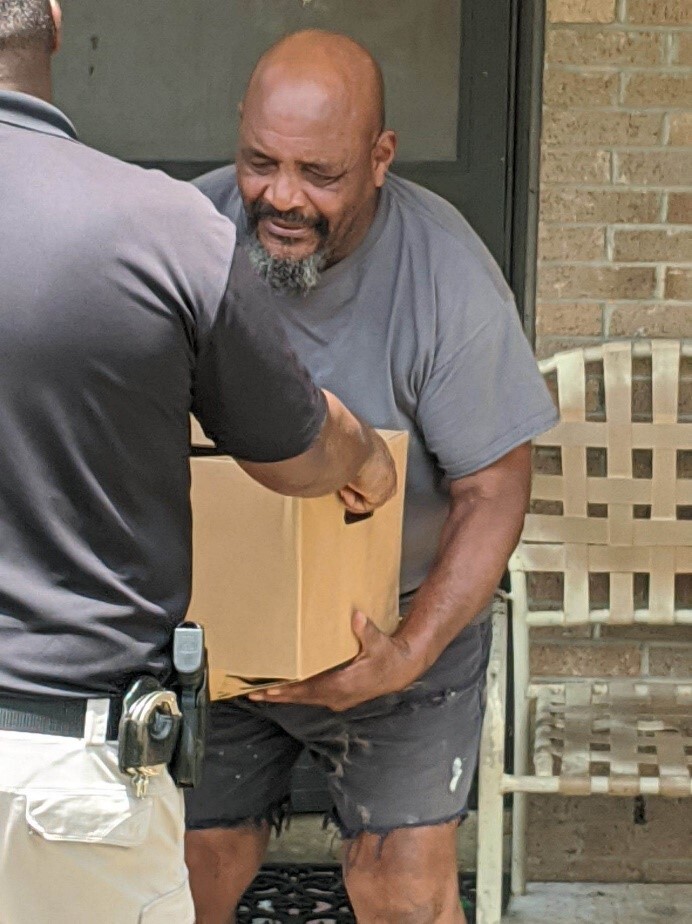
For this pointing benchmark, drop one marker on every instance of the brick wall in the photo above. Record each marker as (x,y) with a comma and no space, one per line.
(615,260)
(615,248)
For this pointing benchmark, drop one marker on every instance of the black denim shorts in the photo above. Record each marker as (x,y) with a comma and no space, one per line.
(402,760)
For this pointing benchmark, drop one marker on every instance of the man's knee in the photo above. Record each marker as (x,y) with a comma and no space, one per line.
(390,900)
(388,880)
(387,896)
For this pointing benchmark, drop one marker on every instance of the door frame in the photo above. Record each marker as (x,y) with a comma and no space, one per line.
(524,146)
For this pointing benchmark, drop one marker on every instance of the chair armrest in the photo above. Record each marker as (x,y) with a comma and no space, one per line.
(494,720)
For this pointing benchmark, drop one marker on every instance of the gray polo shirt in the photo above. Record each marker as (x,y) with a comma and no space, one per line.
(122,307)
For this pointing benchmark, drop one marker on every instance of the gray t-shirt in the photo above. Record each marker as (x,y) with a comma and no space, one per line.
(416,330)
(122,306)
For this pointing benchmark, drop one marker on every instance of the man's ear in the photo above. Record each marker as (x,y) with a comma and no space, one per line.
(57,22)
(382,156)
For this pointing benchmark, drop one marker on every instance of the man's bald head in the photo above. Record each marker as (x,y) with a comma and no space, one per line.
(345,72)
(312,153)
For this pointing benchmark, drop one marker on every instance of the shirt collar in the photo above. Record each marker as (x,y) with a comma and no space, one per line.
(29,112)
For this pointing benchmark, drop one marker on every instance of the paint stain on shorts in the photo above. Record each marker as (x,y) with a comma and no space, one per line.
(457,773)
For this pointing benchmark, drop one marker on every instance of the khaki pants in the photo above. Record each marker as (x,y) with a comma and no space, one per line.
(76,846)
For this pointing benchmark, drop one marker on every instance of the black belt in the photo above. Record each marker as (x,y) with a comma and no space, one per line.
(52,715)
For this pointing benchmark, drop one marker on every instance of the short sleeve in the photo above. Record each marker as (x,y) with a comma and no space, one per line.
(484,395)
(251,395)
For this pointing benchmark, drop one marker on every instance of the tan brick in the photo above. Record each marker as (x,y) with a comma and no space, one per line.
(595,282)
(548,346)
(601,128)
(659,12)
(569,46)
(684,49)
(658,320)
(567,242)
(685,398)
(670,634)
(568,89)
(681,129)
(596,839)
(545,589)
(658,90)
(581,10)
(670,662)
(581,319)
(585,659)
(546,459)
(680,208)
(654,168)
(564,165)
(553,633)
(599,205)
(649,246)
(678,285)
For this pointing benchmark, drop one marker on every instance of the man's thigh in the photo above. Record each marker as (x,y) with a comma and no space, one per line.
(404,760)
(78,846)
(399,761)
(246,777)
(409,763)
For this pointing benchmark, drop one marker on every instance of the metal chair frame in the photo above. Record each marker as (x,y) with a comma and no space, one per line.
(611,736)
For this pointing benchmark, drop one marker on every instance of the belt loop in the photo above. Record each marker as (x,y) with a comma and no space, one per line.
(96,721)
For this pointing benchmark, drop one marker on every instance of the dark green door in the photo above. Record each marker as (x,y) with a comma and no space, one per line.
(160,83)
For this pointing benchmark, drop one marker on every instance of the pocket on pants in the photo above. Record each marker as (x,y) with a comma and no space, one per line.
(174,907)
(108,815)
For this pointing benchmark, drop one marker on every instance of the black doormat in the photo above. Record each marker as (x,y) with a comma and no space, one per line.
(316,894)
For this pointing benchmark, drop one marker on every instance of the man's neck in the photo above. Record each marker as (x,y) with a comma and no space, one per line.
(358,232)
(17,77)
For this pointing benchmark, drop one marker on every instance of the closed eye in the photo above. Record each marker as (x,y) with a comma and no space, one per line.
(320,177)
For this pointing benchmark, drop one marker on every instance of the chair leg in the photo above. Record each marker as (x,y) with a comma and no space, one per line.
(519,844)
(489,863)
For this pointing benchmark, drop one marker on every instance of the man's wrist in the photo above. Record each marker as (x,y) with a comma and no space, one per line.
(415,648)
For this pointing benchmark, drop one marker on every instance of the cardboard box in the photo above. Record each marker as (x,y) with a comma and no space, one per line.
(276,579)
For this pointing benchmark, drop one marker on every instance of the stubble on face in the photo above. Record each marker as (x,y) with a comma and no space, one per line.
(295,277)
(284,273)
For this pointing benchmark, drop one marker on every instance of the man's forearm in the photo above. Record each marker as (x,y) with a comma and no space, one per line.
(482,530)
(347,456)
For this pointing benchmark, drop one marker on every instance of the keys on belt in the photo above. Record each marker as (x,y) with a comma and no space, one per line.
(148,732)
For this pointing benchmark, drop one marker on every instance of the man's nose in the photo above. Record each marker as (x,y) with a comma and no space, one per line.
(284,193)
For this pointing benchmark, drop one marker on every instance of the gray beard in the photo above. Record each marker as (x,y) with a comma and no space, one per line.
(293,276)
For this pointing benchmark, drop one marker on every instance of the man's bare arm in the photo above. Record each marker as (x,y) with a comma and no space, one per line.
(483,527)
(347,456)
(484,524)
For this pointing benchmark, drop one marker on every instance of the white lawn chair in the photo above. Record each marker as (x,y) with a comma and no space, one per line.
(620,736)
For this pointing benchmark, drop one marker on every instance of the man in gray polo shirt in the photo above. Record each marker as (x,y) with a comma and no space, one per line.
(122,307)
(390,299)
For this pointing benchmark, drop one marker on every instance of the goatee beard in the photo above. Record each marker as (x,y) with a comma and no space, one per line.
(284,274)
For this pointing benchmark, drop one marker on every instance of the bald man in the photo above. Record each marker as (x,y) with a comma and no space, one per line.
(392,302)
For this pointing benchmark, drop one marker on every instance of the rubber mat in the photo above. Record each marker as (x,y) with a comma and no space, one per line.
(314,894)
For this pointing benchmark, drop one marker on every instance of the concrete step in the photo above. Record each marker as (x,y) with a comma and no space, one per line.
(598,903)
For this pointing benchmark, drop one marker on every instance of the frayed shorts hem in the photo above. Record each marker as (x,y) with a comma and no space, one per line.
(349,834)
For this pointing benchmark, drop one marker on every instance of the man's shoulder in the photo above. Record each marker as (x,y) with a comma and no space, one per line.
(452,248)
(145,203)
(220,186)
(149,216)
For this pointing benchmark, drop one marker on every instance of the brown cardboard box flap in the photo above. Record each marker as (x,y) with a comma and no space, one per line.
(225,686)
